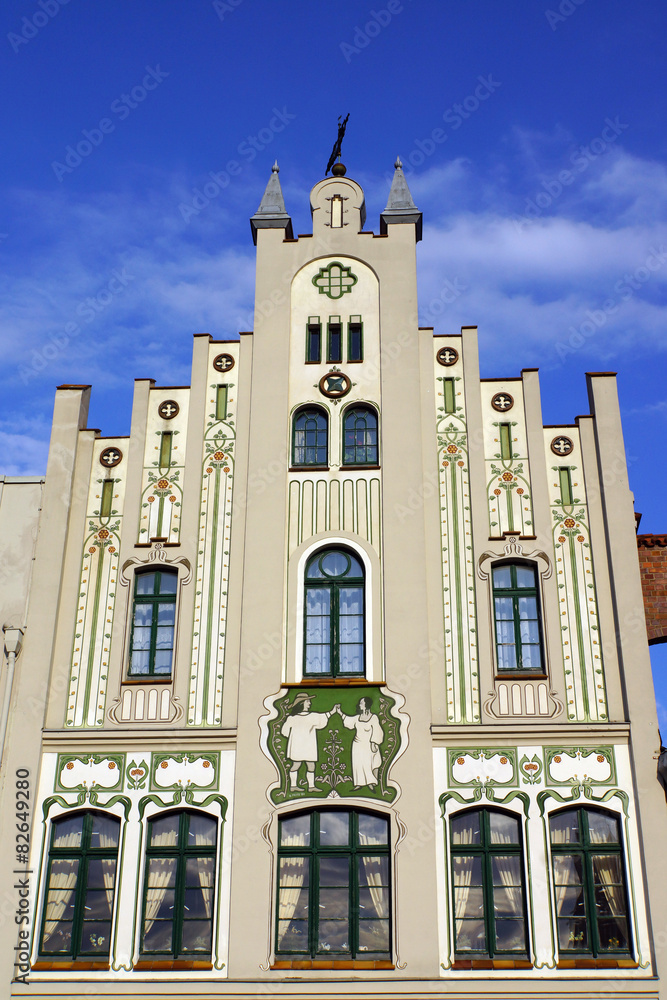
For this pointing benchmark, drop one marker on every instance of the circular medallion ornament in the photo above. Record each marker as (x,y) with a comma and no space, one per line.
(502,401)
(447,356)
(334,385)
(223,363)
(168,409)
(561,445)
(111,457)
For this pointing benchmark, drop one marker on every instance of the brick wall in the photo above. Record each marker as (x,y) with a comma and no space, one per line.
(653,564)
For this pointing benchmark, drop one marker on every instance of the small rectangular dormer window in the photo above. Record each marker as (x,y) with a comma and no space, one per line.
(337,212)
(355,339)
(335,340)
(313,341)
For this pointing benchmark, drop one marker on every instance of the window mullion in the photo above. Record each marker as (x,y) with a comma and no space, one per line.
(517,631)
(153,649)
(335,630)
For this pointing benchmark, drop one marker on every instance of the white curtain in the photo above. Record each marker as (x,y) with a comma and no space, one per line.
(158,876)
(292,874)
(108,831)
(462,873)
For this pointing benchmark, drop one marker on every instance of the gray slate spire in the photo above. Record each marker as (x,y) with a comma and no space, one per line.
(400,206)
(271,213)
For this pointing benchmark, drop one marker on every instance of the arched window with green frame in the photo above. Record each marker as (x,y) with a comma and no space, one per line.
(360,436)
(334,889)
(80,886)
(489,900)
(589,883)
(334,610)
(517,617)
(310,433)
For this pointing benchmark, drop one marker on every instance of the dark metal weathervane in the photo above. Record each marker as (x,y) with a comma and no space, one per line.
(336,151)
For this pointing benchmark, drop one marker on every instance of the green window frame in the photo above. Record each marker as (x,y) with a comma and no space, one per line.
(565,483)
(221,401)
(179,885)
(166,441)
(449,394)
(310,438)
(153,623)
(590,889)
(313,341)
(517,617)
(488,884)
(334,340)
(334,615)
(355,339)
(80,886)
(334,886)
(107,497)
(506,452)
(360,436)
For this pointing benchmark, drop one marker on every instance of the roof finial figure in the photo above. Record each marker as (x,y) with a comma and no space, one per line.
(337,168)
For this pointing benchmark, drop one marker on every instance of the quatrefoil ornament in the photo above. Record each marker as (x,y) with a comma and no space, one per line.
(335,280)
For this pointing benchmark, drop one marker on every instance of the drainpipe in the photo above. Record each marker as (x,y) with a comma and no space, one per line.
(13,640)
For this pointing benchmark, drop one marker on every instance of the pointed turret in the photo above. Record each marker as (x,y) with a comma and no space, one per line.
(271,213)
(400,206)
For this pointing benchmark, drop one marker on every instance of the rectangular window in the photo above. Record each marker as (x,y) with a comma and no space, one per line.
(335,340)
(165,449)
(450,395)
(221,402)
(565,477)
(355,339)
(153,624)
(337,212)
(505,441)
(313,341)
(517,618)
(107,497)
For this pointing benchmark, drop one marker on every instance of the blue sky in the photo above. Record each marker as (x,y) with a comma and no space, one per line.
(532,134)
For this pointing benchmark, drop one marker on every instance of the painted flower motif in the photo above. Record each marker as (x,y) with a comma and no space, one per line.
(452,449)
(112,548)
(92,549)
(103,533)
(520,491)
(69,765)
(209,470)
(530,767)
(136,772)
(580,538)
(226,469)
(219,455)
(206,763)
(497,492)
(557,760)
(446,465)
(508,477)
(112,765)
(151,499)
(561,538)
(163,483)
(461,464)
(503,760)
(569,522)
(460,760)
(172,499)
(600,758)
(163,764)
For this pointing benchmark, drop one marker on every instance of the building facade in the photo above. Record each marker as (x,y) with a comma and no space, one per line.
(334,678)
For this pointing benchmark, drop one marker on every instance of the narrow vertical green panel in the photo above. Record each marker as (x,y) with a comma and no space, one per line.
(565,478)
(165,449)
(506,441)
(221,402)
(107,497)
(449,395)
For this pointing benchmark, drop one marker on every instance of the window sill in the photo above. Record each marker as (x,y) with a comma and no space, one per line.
(149,679)
(334,964)
(462,964)
(334,682)
(171,965)
(597,963)
(308,468)
(357,468)
(520,675)
(75,965)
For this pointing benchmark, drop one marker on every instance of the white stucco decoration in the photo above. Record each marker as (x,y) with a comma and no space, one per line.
(495,767)
(104,774)
(199,772)
(566,767)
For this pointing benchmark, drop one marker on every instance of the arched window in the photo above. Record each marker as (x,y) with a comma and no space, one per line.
(488,884)
(153,623)
(309,440)
(589,882)
(80,885)
(179,885)
(334,897)
(360,436)
(517,616)
(334,615)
